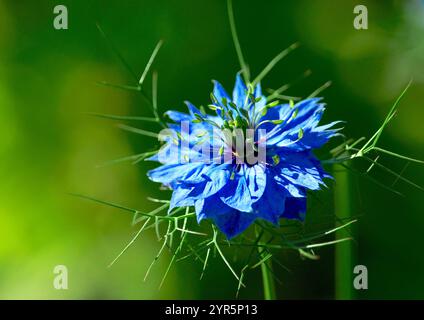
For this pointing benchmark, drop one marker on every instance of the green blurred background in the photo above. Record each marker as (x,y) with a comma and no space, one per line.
(49,147)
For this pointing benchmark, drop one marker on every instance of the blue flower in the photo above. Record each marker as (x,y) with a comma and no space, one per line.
(226,187)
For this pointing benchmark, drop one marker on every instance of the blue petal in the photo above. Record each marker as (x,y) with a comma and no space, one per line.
(234,223)
(192,109)
(258,93)
(290,137)
(216,179)
(293,190)
(256,181)
(208,208)
(205,184)
(301,169)
(280,112)
(309,112)
(236,194)
(305,115)
(169,173)
(180,198)
(274,113)
(272,203)
(266,192)
(220,93)
(239,92)
(228,220)
(177,116)
(316,137)
(295,208)
(176,154)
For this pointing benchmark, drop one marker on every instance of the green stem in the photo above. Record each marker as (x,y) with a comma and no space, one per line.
(268,280)
(343,251)
(266,269)
(243,65)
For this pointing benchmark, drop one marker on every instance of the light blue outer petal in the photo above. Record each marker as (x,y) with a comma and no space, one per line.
(220,93)
(239,91)
(309,112)
(258,93)
(205,184)
(239,95)
(292,189)
(301,169)
(180,198)
(192,109)
(178,116)
(170,173)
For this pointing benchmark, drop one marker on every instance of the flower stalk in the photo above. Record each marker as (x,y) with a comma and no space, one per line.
(268,280)
(344,251)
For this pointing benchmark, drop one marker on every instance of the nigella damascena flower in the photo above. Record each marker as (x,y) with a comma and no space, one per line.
(251,160)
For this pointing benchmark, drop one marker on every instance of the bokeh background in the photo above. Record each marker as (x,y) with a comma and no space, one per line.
(50,147)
